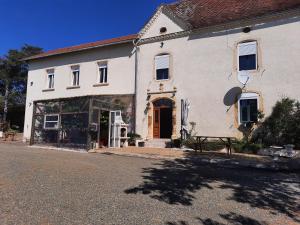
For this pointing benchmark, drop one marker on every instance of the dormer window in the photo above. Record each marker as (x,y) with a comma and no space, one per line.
(162,64)
(247,56)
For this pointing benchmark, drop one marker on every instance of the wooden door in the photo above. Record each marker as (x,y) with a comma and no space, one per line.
(156,123)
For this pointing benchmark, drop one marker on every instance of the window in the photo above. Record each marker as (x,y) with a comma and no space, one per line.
(75,76)
(162,63)
(103,74)
(50,81)
(51,122)
(247,53)
(163,30)
(248,108)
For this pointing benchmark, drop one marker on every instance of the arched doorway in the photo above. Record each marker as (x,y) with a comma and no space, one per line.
(162,118)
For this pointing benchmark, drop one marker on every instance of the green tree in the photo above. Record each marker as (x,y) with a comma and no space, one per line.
(13,77)
(282,126)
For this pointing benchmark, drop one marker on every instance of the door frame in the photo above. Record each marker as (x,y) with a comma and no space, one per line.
(150,113)
(156,125)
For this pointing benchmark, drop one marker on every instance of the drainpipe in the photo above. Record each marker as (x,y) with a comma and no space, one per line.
(136,49)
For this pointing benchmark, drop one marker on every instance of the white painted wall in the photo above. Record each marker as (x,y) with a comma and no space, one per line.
(161,21)
(204,68)
(120,76)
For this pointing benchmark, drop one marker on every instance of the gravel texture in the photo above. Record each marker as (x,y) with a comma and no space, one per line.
(39,186)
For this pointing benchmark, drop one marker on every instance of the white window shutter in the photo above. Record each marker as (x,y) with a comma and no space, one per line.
(248,48)
(248,95)
(162,62)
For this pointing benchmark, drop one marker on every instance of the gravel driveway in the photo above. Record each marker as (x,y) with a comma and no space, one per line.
(39,186)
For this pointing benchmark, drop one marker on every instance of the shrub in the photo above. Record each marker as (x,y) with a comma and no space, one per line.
(176,143)
(132,137)
(246,147)
(282,126)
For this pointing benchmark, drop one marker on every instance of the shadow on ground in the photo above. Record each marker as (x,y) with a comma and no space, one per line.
(177,181)
(230,218)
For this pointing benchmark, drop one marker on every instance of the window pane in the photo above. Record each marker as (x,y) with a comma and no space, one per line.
(50,81)
(253,110)
(244,111)
(162,74)
(103,74)
(51,118)
(248,110)
(51,125)
(247,62)
(75,81)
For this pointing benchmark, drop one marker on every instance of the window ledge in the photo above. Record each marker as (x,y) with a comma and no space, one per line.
(73,87)
(162,80)
(100,84)
(249,71)
(49,89)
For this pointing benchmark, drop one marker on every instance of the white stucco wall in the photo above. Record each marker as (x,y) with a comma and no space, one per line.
(203,69)
(120,76)
(161,20)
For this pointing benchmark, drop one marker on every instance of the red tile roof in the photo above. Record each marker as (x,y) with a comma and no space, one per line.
(204,13)
(81,47)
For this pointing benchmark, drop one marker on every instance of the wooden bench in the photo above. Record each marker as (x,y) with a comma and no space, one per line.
(200,140)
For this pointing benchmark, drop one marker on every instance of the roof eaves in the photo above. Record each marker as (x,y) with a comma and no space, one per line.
(44,55)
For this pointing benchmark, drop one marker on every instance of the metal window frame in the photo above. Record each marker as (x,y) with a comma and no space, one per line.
(45,121)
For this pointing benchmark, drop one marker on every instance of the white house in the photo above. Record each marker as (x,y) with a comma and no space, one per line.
(230,60)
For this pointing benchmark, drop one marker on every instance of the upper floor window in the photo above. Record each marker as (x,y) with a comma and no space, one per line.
(247,56)
(50,79)
(102,73)
(162,64)
(248,108)
(75,75)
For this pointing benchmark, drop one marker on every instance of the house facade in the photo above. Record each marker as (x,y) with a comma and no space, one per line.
(231,63)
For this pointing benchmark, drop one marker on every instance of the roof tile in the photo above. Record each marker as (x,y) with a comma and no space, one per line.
(81,47)
(204,13)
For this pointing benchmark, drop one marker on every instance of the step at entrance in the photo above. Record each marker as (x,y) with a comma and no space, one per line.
(157,143)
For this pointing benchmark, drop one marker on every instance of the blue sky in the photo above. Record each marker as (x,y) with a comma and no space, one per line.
(52,24)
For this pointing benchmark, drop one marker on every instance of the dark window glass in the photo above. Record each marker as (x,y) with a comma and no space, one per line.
(162,74)
(103,74)
(248,110)
(247,62)
(75,81)
(253,110)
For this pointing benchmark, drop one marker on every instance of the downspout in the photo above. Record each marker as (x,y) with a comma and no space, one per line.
(136,49)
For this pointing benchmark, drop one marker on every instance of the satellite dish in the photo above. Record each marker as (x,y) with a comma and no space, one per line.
(243,77)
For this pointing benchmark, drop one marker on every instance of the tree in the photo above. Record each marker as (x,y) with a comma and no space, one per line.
(13,76)
(282,126)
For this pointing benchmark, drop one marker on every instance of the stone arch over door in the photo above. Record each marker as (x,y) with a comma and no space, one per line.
(161,102)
